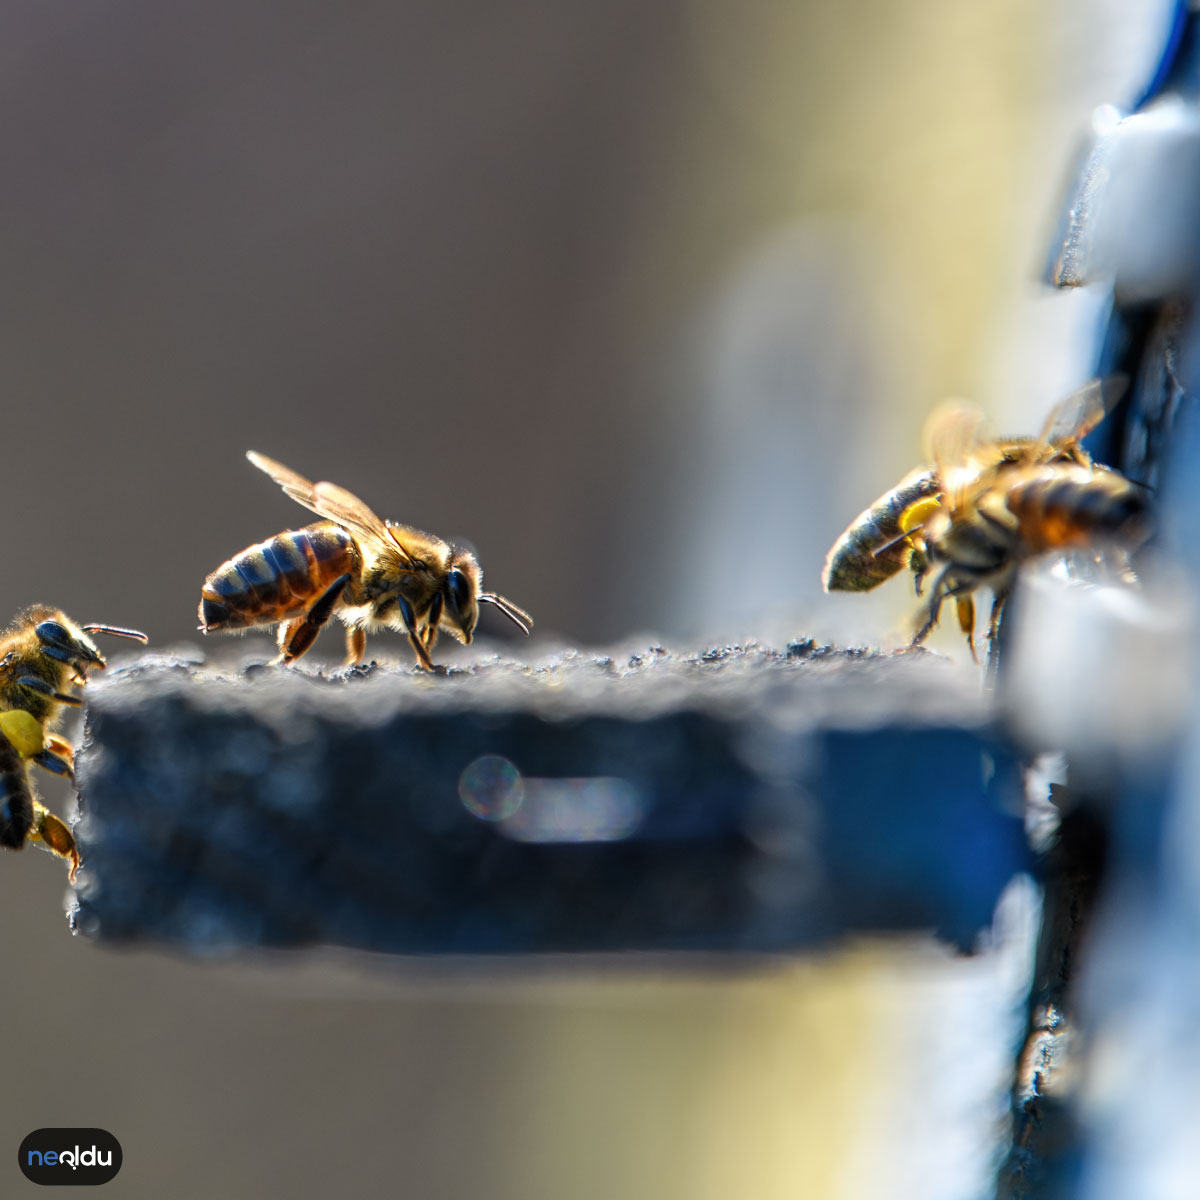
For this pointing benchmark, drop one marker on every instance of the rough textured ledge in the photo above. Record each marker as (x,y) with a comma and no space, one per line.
(741,798)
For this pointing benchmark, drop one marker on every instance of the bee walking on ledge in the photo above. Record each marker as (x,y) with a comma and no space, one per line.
(367,571)
(41,655)
(986,506)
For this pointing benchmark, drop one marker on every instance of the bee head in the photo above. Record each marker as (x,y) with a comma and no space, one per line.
(62,640)
(70,644)
(463,593)
(460,596)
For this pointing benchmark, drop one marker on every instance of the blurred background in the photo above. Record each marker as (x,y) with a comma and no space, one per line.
(645,301)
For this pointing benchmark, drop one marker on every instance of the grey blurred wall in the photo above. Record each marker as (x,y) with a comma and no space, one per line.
(549,277)
(386,244)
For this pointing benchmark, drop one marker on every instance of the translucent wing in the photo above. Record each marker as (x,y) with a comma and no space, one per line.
(332,502)
(1072,419)
(952,432)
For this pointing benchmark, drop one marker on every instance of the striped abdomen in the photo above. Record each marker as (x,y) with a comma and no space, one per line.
(277,579)
(1061,505)
(868,552)
(872,549)
(16,803)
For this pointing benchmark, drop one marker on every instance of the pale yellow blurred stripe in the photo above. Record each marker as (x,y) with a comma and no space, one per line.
(701,1088)
(909,119)
(880,1069)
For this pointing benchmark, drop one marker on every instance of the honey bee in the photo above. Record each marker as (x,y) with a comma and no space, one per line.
(875,545)
(980,533)
(368,571)
(41,655)
(988,505)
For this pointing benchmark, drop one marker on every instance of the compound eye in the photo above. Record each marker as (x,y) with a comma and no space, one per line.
(51,633)
(459,587)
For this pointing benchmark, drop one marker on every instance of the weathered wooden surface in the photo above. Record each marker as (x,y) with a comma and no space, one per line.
(738,799)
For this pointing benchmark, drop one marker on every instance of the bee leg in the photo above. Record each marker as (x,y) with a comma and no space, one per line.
(23,731)
(918,563)
(296,637)
(55,764)
(16,800)
(937,595)
(927,628)
(432,618)
(356,646)
(284,635)
(59,745)
(943,589)
(58,757)
(414,638)
(966,621)
(40,685)
(998,602)
(54,833)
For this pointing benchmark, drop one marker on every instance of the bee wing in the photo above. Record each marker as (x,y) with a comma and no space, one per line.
(952,431)
(329,501)
(1072,419)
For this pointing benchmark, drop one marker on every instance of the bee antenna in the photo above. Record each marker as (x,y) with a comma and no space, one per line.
(518,616)
(115,631)
(897,540)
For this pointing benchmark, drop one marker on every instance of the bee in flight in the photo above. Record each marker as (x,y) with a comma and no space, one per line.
(368,571)
(988,505)
(42,654)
